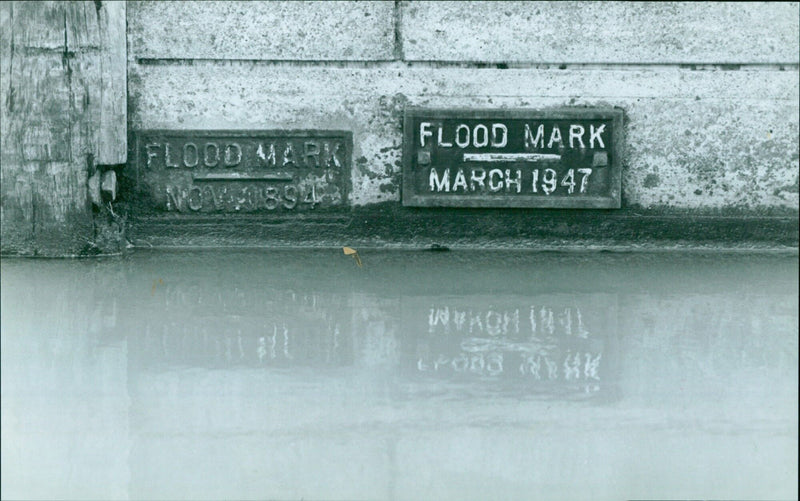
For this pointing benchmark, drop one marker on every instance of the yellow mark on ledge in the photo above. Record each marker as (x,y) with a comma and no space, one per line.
(156,282)
(348,251)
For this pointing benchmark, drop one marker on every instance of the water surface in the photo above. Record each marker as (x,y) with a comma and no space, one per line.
(453,375)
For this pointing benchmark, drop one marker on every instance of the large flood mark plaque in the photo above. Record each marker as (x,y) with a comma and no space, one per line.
(205,172)
(557,158)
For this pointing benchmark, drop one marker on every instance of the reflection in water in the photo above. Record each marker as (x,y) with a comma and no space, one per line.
(547,343)
(244,374)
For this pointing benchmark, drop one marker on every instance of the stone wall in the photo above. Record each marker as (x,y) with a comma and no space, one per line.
(709,91)
(709,94)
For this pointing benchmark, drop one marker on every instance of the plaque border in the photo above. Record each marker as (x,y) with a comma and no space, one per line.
(135,136)
(411,198)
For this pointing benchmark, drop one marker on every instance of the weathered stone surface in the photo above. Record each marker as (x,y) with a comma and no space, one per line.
(693,139)
(262,30)
(601,32)
(63,108)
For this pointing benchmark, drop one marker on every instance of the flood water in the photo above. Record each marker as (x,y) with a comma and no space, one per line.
(242,374)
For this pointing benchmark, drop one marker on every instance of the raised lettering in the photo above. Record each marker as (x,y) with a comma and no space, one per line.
(460,180)
(440,141)
(151,154)
(219,197)
(492,185)
(576,132)
(499,143)
(207,158)
(271,196)
(167,157)
(196,157)
(475,178)
(596,134)
(555,136)
(288,154)
(549,181)
(311,196)
(591,366)
(174,199)
(311,153)
(509,181)
(233,155)
(438,184)
(333,160)
(493,326)
(586,173)
(243,199)
(480,143)
(269,156)
(569,181)
(494,365)
(208,193)
(290,196)
(195,199)
(424,132)
(534,142)
(459,142)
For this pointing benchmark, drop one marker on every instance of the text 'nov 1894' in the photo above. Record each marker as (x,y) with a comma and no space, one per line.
(243,171)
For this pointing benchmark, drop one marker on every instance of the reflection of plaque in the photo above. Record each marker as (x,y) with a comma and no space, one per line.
(207,172)
(308,334)
(564,340)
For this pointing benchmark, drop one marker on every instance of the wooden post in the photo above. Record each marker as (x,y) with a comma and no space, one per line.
(63,111)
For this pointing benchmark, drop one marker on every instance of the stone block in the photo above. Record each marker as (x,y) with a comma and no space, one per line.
(693,139)
(601,32)
(262,30)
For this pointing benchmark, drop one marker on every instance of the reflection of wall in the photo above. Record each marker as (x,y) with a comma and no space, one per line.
(710,341)
(374,423)
(146,389)
(64,385)
(264,434)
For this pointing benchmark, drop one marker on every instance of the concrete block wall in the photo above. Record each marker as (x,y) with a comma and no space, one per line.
(709,93)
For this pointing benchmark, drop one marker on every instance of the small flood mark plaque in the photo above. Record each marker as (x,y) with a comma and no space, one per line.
(556,158)
(273,171)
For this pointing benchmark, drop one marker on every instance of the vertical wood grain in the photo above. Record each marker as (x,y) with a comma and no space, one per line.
(63,90)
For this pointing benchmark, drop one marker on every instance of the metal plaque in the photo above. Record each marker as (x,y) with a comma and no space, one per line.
(201,172)
(556,158)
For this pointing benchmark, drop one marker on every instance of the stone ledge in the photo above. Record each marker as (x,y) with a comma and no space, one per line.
(390,226)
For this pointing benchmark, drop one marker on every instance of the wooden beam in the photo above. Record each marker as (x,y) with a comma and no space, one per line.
(62,110)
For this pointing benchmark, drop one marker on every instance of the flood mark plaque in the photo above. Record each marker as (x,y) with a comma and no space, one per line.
(205,172)
(556,158)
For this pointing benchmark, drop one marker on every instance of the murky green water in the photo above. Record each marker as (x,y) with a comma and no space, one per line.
(453,375)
